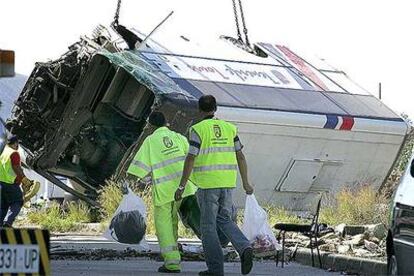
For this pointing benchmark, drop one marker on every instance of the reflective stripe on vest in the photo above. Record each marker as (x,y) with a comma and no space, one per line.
(162,154)
(167,249)
(216,149)
(141,165)
(7,175)
(167,178)
(215,166)
(168,162)
(172,262)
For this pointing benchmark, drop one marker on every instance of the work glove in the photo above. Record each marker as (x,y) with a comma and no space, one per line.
(26,182)
(30,189)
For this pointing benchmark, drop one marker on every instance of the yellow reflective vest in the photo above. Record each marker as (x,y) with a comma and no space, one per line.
(162,155)
(7,175)
(215,166)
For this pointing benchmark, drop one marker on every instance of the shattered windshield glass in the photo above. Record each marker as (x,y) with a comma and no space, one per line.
(144,72)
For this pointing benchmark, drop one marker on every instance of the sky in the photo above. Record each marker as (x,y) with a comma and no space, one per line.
(371,40)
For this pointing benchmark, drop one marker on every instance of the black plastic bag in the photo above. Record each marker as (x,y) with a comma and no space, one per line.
(128,227)
(128,224)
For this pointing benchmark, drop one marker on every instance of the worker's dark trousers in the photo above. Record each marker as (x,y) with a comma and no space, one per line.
(11,202)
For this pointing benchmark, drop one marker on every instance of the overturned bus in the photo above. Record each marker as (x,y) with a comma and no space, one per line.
(306,128)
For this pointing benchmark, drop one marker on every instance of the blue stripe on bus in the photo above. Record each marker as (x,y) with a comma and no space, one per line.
(331,121)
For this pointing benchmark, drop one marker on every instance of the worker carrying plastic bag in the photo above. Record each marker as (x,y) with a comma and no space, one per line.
(257,229)
(128,224)
(161,157)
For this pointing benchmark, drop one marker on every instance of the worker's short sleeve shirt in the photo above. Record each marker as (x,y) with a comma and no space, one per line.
(184,142)
(195,143)
(15,159)
(238,146)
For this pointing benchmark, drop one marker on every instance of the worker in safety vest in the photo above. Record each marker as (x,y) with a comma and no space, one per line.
(11,176)
(215,154)
(162,156)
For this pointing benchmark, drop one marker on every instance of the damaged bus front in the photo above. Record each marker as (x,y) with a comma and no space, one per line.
(80,115)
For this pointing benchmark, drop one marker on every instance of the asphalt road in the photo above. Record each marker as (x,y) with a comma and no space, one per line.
(144,265)
(149,267)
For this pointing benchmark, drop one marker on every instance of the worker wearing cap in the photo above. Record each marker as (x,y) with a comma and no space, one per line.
(214,156)
(162,156)
(11,176)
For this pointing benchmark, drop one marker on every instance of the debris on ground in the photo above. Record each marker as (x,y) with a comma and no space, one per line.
(367,241)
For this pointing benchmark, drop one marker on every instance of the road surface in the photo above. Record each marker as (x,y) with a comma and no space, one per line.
(111,259)
(149,267)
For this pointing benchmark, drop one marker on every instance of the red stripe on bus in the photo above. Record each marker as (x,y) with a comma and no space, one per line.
(347,123)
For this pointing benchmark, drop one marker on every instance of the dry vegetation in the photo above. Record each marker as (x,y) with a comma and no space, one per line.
(361,205)
(400,165)
(58,218)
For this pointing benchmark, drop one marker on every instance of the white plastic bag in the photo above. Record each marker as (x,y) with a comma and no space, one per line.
(257,229)
(128,224)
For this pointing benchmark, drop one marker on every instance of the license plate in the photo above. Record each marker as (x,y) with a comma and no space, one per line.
(19,258)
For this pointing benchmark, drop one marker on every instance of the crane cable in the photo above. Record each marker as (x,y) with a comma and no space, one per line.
(236,17)
(116,17)
(244,24)
(237,21)
(245,31)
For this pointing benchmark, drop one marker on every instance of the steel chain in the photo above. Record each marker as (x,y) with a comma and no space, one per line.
(244,23)
(118,9)
(237,20)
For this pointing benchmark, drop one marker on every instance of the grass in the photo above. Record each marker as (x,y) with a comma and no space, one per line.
(281,215)
(361,205)
(59,218)
(109,198)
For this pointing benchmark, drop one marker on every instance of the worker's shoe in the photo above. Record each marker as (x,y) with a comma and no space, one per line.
(246,260)
(163,269)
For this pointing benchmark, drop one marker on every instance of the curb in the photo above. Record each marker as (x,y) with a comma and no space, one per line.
(336,262)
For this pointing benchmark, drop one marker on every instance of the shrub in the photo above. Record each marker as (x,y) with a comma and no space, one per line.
(109,198)
(59,218)
(281,215)
(361,205)
(78,212)
(401,163)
